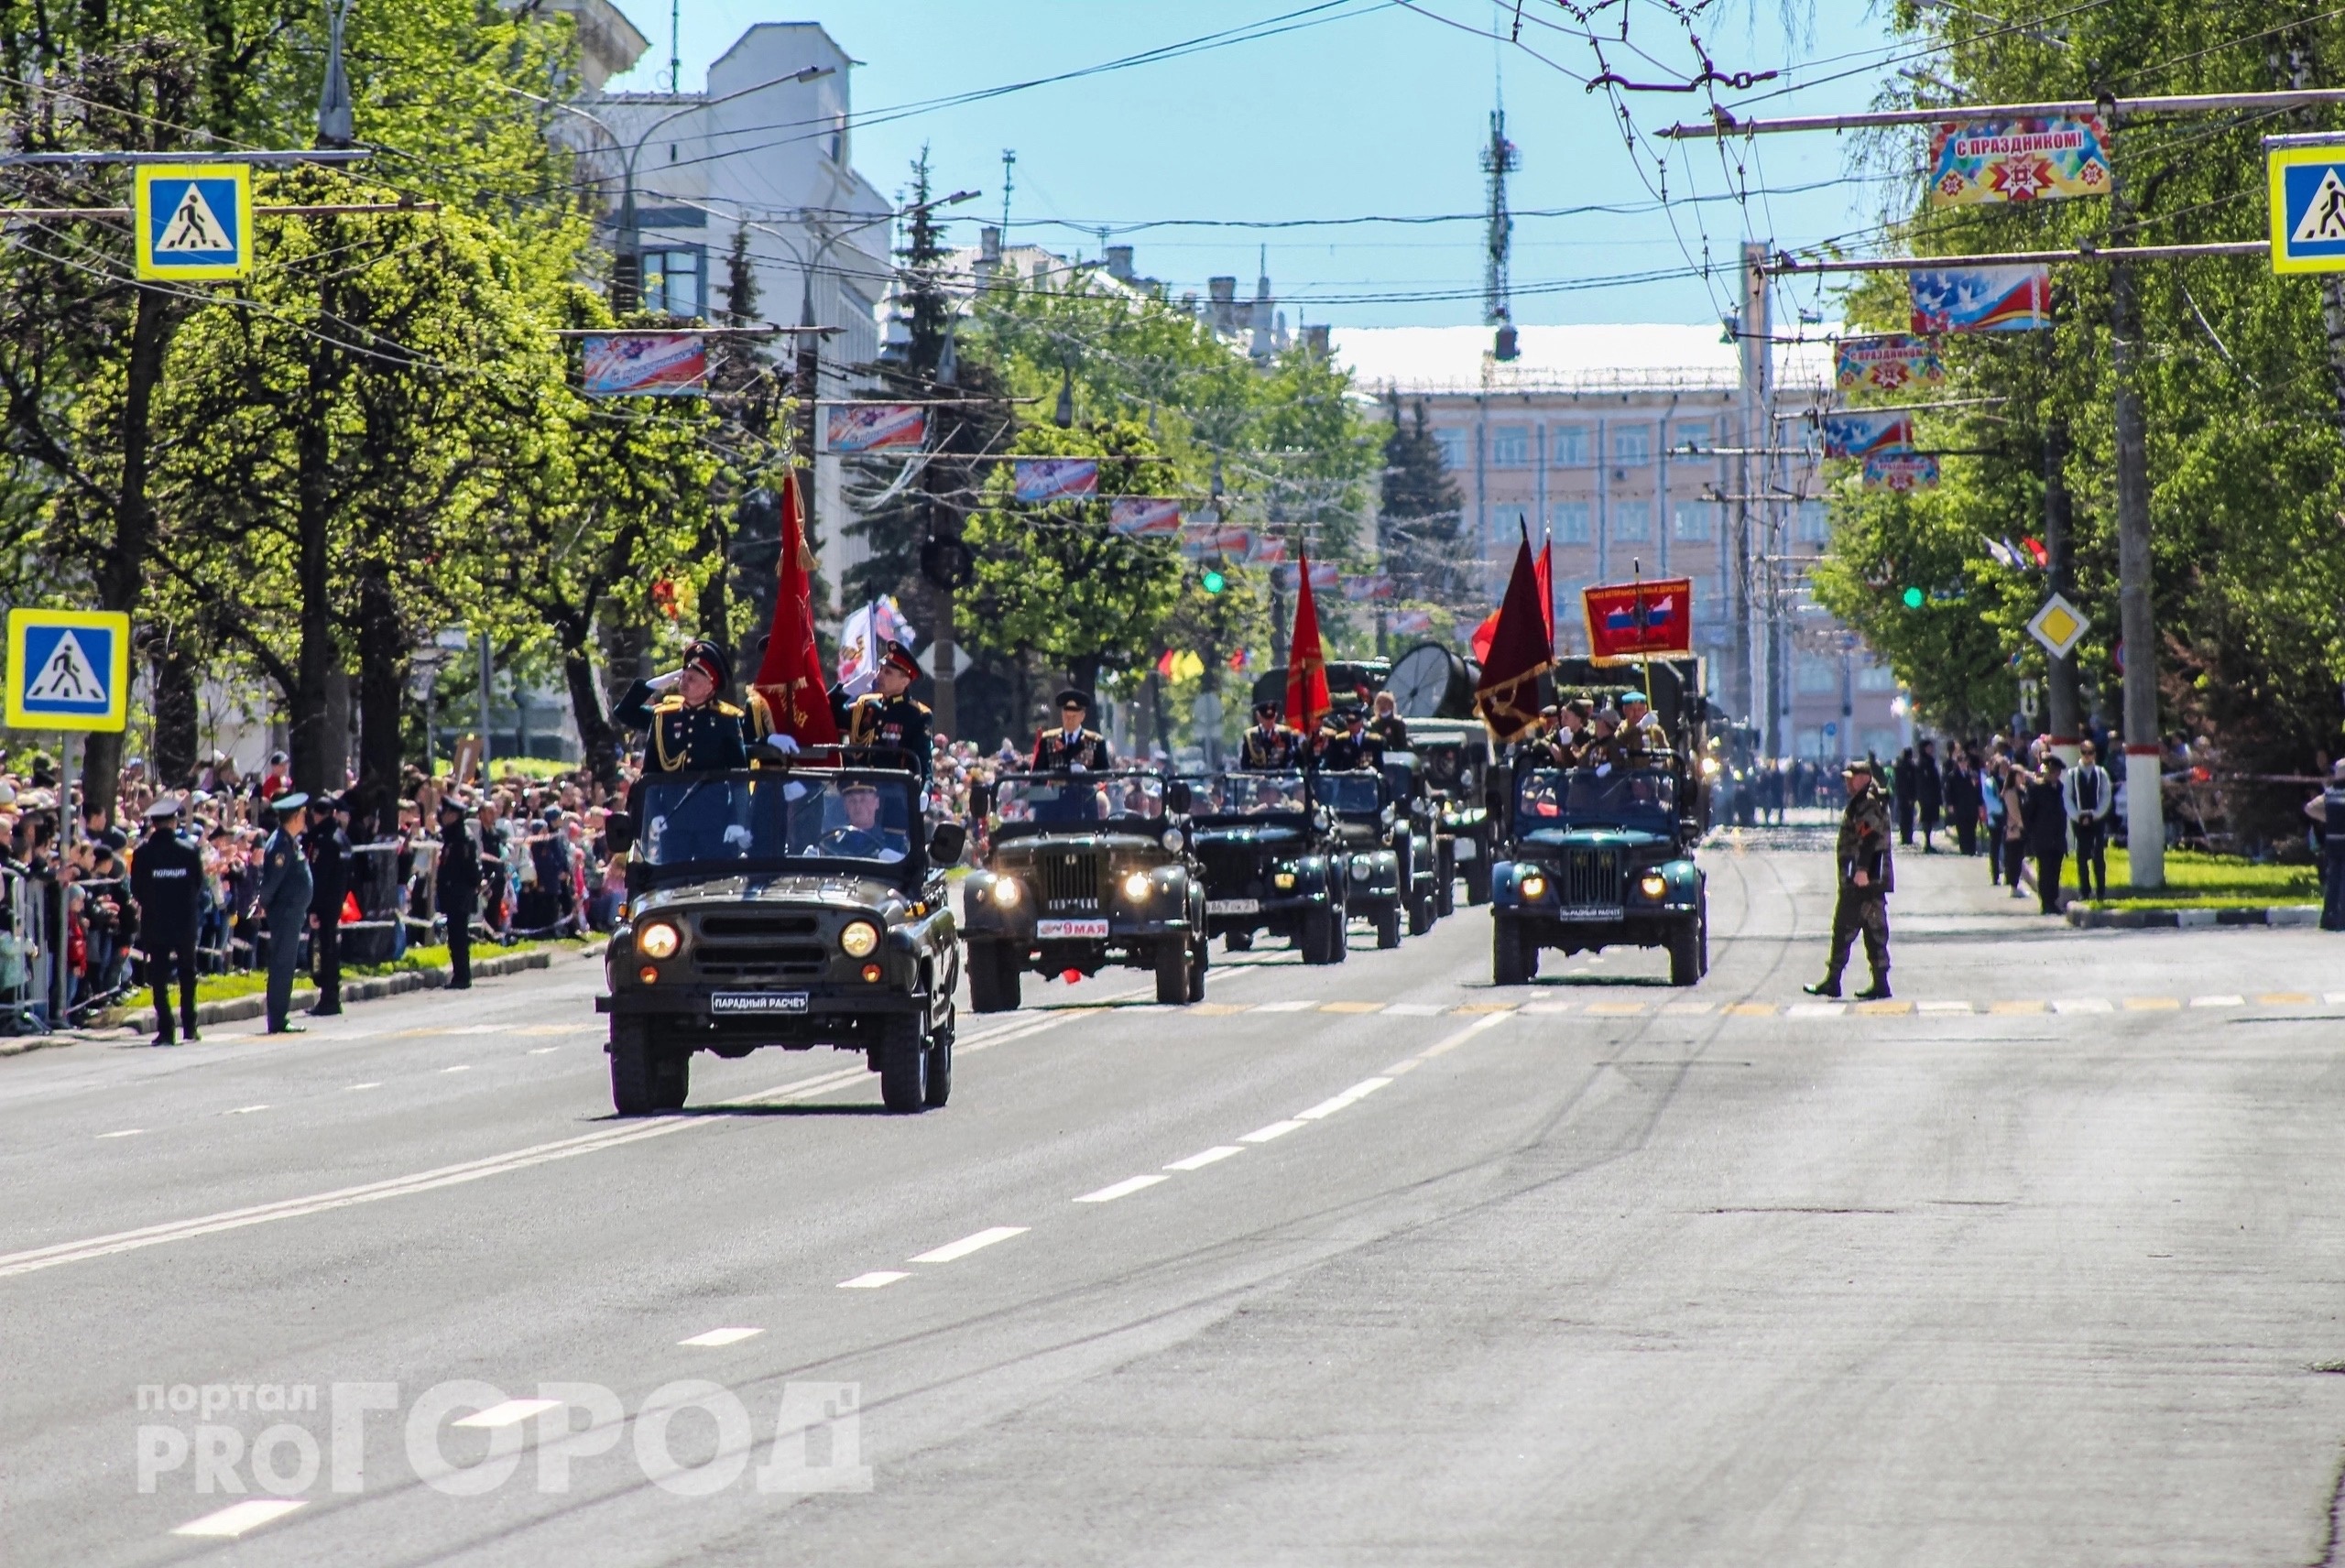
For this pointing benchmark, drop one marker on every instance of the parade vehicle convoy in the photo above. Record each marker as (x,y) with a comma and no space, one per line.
(1467,796)
(1602,855)
(1272,862)
(1085,870)
(1364,830)
(1416,838)
(796,903)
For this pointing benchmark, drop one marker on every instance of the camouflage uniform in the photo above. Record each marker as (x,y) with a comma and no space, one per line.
(1864,845)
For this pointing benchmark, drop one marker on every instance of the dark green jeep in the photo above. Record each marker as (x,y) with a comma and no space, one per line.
(796,905)
(1597,858)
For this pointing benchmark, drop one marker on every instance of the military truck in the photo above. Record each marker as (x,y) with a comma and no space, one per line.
(792,905)
(1085,870)
(1272,862)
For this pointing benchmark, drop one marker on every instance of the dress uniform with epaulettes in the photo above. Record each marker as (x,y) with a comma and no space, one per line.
(883,718)
(1269,746)
(686,737)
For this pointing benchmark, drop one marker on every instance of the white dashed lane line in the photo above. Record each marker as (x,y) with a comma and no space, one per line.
(717,1338)
(512,1412)
(951,1250)
(1211,1156)
(1123,1188)
(1264,1134)
(543,1049)
(460,1067)
(238,1517)
(125,1132)
(355,1087)
(1351,1096)
(244,1110)
(874,1279)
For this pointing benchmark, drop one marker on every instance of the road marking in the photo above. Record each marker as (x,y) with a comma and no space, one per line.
(126,1132)
(1893,1010)
(1814,1011)
(1351,1096)
(1546,1009)
(874,1279)
(477,1029)
(353,1088)
(1451,1043)
(512,1412)
(1218,1152)
(2335,998)
(244,1110)
(2081,1004)
(1485,1007)
(1219,1010)
(2152,1004)
(2015,1007)
(1751,1009)
(1617,1009)
(1351,1007)
(2219,1001)
(1282,1007)
(238,1517)
(968,1244)
(1963,1007)
(1685,1009)
(2283,999)
(717,1338)
(556,1028)
(1264,1134)
(541,1049)
(461,1067)
(1123,1188)
(1413,1010)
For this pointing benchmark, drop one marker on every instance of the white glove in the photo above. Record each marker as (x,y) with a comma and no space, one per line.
(662,682)
(738,837)
(782,741)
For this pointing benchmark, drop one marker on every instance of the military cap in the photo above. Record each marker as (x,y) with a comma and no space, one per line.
(291,802)
(1857,765)
(168,806)
(1266,710)
(1585,707)
(895,656)
(858,787)
(1627,697)
(451,803)
(1073,697)
(710,658)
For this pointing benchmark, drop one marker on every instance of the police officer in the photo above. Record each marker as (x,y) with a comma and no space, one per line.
(2327,811)
(1070,745)
(1866,876)
(165,878)
(691,729)
(284,903)
(329,863)
(1269,746)
(455,883)
(885,716)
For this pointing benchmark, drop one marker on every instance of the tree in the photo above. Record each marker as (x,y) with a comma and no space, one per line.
(1422,508)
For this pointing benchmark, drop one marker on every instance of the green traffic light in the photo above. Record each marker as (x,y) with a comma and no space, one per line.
(1912,598)
(1214,581)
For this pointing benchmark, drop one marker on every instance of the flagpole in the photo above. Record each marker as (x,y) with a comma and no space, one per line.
(1644,640)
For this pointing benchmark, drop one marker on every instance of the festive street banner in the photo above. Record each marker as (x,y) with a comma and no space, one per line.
(1269,550)
(1858,433)
(661,364)
(1324,575)
(1981,299)
(1639,620)
(1902,472)
(1406,621)
(1144,517)
(1888,364)
(875,427)
(1234,544)
(1362,590)
(1041,479)
(1974,161)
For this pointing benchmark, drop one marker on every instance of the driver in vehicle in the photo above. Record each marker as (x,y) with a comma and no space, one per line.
(862,837)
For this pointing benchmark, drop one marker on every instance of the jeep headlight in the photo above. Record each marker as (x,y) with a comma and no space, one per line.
(657,939)
(1362,869)
(1007,892)
(1533,887)
(1136,886)
(1652,884)
(859,938)
(1283,879)
(1173,840)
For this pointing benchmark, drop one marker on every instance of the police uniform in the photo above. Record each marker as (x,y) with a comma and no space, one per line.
(329,862)
(284,899)
(455,885)
(167,879)
(679,737)
(1864,846)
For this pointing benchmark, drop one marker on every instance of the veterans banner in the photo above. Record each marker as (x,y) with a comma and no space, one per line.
(1856,433)
(1363,590)
(1900,471)
(1888,364)
(660,365)
(873,427)
(1041,479)
(1981,299)
(1639,620)
(1974,162)
(1145,517)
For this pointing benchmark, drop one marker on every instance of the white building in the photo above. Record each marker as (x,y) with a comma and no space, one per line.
(759,151)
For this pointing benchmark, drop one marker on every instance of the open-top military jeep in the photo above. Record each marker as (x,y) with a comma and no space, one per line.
(796,905)
(1272,862)
(1085,870)
(1468,795)
(1365,826)
(1599,858)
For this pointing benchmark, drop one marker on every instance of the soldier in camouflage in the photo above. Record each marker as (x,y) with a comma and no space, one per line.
(1867,876)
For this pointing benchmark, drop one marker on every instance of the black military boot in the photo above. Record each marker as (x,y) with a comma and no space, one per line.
(1879,990)
(1827,986)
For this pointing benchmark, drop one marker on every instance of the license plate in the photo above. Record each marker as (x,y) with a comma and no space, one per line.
(1045,929)
(1233,906)
(1596,912)
(740,1002)
(1466,850)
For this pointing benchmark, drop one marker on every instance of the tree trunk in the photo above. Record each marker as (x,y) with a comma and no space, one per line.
(383,671)
(1085,669)
(313,519)
(598,738)
(177,727)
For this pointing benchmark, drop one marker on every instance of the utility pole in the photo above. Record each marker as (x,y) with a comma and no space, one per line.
(1751,332)
(2144,781)
(2061,675)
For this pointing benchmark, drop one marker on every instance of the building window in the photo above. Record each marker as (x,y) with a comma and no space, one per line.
(1818,674)
(1695,434)
(1453,449)
(1632,446)
(1876,678)
(671,281)
(1507,523)
(1571,446)
(1510,446)
(1569,522)
(1815,524)
(1631,520)
(1690,519)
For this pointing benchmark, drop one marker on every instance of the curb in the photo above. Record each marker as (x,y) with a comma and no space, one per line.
(2192,920)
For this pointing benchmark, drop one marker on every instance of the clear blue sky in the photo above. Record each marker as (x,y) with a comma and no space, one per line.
(1363,107)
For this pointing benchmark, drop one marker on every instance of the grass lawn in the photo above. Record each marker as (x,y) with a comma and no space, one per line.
(227,988)
(2211,882)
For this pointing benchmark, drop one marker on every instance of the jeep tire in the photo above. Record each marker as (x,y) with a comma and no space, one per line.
(904,1064)
(939,1087)
(1321,938)
(994,974)
(1686,953)
(635,1088)
(1197,963)
(1172,965)
(1388,926)
(1514,958)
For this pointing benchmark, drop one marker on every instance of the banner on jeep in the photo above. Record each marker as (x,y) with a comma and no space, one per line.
(1639,620)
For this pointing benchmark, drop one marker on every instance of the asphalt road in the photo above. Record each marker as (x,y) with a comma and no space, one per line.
(1370,1264)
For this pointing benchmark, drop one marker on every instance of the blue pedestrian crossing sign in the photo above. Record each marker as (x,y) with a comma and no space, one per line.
(67,669)
(2308,209)
(193,222)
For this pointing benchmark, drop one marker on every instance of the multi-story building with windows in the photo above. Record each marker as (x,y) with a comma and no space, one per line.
(1636,451)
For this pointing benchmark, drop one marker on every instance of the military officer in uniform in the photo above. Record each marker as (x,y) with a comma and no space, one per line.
(862,836)
(455,883)
(1269,746)
(284,903)
(1072,746)
(885,716)
(1388,725)
(330,864)
(1867,877)
(166,880)
(1353,746)
(691,729)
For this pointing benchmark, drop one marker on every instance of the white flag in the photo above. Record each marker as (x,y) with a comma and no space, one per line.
(858,652)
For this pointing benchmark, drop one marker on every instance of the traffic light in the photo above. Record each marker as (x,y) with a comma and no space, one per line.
(1213,582)
(1913,597)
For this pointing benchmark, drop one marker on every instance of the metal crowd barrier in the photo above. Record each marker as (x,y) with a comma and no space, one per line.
(32,977)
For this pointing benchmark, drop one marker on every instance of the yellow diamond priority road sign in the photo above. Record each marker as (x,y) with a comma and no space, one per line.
(2059,626)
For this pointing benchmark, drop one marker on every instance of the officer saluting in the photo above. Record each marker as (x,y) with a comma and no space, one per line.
(165,878)
(1070,745)
(884,715)
(691,730)
(1867,877)
(1270,746)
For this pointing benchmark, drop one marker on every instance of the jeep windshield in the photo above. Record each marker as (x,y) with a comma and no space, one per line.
(1554,800)
(1041,802)
(1348,794)
(776,817)
(1250,794)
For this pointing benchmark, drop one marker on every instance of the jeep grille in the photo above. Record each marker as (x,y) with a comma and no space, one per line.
(750,944)
(1589,877)
(1071,879)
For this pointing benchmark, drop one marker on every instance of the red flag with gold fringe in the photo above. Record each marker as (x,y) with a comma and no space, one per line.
(790,677)
(1507,694)
(1306,660)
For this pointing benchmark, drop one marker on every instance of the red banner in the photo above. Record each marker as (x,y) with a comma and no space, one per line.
(1639,620)
(790,677)
(1306,662)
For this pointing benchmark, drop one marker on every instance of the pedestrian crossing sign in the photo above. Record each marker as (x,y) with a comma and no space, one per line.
(2308,209)
(193,222)
(67,669)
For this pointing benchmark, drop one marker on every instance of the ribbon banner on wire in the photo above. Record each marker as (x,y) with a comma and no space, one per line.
(660,365)
(875,427)
(1981,299)
(1368,590)
(1976,161)
(1144,517)
(1856,433)
(1900,472)
(1887,364)
(1045,479)
(1324,576)
(1629,621)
